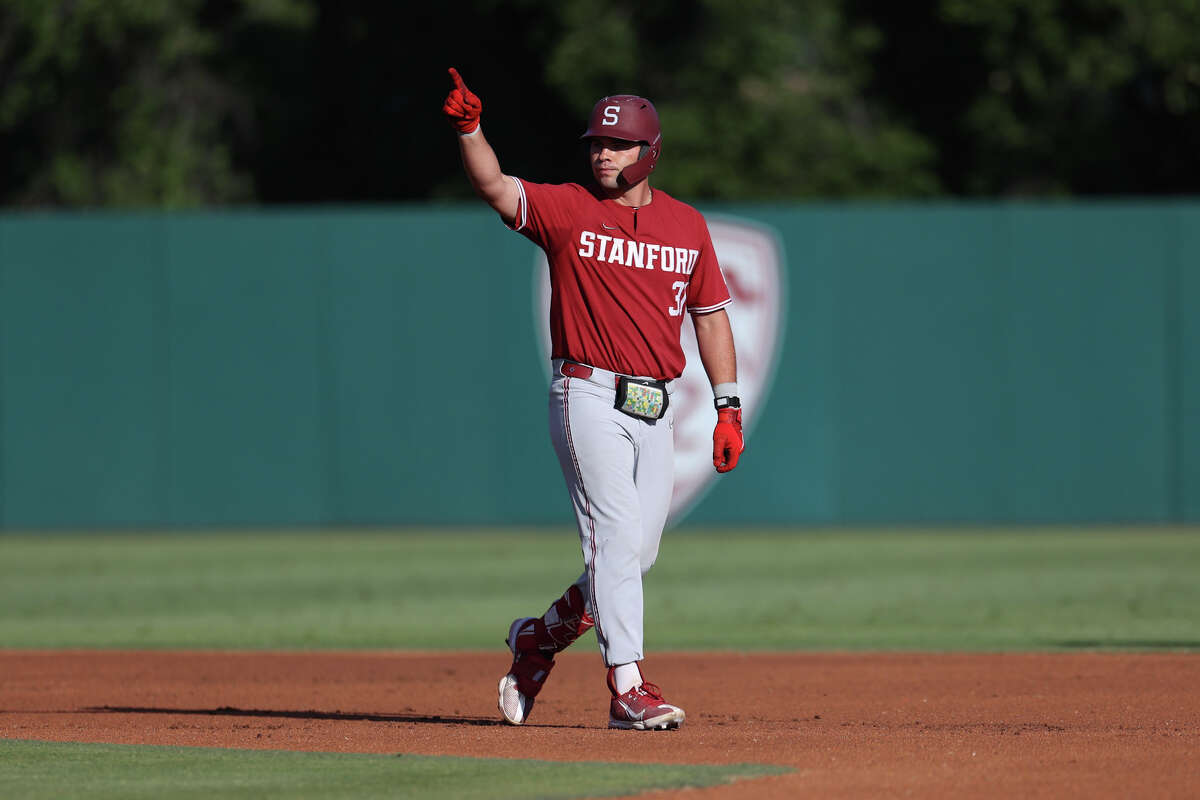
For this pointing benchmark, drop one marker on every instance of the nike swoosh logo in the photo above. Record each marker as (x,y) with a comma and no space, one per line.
(629,712)
(608,227)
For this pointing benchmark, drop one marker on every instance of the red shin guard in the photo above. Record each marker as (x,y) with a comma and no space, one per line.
(564,622)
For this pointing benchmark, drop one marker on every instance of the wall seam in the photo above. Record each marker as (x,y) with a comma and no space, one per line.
(162,366)
(1172,331)
(3,372)
(331,512)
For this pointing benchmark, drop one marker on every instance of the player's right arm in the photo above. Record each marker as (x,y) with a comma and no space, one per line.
(479,160)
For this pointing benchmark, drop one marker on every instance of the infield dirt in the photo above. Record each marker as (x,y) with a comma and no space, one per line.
(850,725)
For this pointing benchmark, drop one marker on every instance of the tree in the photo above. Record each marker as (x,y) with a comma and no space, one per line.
(759,99)
(1047,97)
(203,102)
(118,103)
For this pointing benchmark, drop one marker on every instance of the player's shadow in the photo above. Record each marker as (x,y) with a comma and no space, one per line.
(346,716)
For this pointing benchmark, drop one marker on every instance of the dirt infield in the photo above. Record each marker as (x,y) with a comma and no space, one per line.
(850,725)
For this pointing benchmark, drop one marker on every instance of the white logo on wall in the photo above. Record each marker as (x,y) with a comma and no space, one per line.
(751,259)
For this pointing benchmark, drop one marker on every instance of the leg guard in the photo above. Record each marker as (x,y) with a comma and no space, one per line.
(565,621)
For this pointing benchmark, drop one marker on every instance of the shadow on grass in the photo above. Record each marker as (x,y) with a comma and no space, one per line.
(1128,644)
(229,711)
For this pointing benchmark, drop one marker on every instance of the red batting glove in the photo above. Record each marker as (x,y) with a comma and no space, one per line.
(727,439)
(462,106)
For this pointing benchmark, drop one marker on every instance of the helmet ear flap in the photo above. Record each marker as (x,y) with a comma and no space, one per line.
(641,169)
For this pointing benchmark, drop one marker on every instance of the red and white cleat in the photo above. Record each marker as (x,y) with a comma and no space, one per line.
(525,677)
(642,708)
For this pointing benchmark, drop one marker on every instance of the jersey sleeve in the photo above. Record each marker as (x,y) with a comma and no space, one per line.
(543,209)
(707,291)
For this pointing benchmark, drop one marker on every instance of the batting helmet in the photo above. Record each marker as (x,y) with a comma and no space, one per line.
(632,118)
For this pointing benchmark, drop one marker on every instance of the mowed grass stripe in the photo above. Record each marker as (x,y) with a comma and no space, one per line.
(730,589)
(34,770)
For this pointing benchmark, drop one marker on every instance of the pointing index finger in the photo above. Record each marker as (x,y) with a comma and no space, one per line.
(458,81)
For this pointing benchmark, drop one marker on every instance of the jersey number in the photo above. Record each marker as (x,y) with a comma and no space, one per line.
(680,288)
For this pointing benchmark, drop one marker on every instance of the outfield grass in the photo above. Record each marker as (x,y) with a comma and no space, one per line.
(1040,589)
(1029,588)
(37,770)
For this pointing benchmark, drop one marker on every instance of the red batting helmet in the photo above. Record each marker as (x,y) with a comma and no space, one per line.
(632,118)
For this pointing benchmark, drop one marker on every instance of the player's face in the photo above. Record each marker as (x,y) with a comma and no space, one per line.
(609,157)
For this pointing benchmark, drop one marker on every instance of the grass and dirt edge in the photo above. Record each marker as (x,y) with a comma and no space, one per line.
(36,769)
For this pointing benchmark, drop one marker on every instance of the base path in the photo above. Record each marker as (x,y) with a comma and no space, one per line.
(849,724)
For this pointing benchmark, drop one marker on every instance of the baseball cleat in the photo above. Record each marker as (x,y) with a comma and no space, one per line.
(525,677)
(513,705)
(642,708)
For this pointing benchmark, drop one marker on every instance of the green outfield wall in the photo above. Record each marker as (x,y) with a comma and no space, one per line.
(941,363)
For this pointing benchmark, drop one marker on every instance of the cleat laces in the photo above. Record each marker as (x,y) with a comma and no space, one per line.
(651,691)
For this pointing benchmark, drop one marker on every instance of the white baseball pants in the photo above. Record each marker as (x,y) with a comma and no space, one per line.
(620,474)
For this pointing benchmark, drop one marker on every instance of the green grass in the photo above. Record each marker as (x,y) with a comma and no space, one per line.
(1026,588)
(35,770)
(1043,589)
(1032,588)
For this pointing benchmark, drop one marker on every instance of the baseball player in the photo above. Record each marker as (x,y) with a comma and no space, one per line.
(627,263)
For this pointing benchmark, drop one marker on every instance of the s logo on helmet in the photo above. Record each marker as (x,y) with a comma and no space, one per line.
(611,115)
(752,260)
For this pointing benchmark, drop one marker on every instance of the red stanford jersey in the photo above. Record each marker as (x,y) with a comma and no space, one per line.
(621,278)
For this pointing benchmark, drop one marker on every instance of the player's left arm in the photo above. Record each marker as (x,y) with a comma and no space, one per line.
(714,335)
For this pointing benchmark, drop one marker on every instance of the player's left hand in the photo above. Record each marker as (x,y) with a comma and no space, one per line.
(727,439)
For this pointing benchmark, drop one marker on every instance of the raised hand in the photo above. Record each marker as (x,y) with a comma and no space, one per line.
(462,106)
